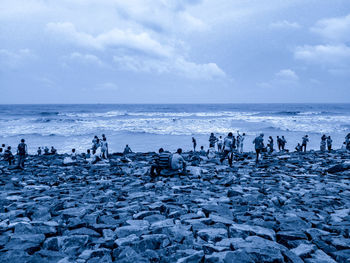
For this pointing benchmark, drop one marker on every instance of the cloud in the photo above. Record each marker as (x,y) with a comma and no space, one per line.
(285,25)
(325,54)
(287,74)
(334,29)
(107,86)
(86,59)
(14,59)
(174,65)
(115,38)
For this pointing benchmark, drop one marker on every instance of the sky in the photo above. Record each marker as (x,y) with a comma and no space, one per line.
(174,51)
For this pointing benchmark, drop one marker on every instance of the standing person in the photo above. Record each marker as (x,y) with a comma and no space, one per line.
(323,143)
(240,144)
(39,151)
(270,144)
(95,144)
(220,144)
(284,141)
(194,144)
(227,150)
(212,140)
(259,145)
(304,143)
(21,152)
(329,143)
(279,143)
(104,147)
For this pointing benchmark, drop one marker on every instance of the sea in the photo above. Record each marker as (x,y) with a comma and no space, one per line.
(147,127)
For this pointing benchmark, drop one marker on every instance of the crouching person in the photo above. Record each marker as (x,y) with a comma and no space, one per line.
(178,162)
(162,161)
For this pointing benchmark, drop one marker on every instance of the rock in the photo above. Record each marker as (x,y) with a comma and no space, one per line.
(212,234)
(238,256)
(238,229)
(304,250)
(320,257)
(194,258)
(125,231)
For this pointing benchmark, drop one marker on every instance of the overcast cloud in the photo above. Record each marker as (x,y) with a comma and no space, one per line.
(174,51)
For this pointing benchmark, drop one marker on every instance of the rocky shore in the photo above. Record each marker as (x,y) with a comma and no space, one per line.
(292,207)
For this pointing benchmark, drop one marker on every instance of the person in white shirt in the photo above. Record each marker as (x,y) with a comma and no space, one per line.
(178,162)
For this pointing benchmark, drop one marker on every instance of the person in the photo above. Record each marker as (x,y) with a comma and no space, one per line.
(212,140)
(227,150)
(194,142)
(127,149)
(46,151)
(240,143)
(8,156)
(347,142)
(162,161)
(1,151)
(329,143)
(21,152)
(284,141)
(95,144)
(220,144)
(53,150)
(270,144)
(304,143)
(298,148)
(88,154)
(202,151)
(73,154)
(259,145)
(178,162)
(211,153)
(279,143)
(323,143)
(104,147)
(39,151)
(343,147)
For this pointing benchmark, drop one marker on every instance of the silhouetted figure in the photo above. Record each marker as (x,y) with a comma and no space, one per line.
(298,148)
(202,152)
(88,154)
(347,141)
(323,143)
(270,144)
(127,149)
(194,142)
(284,141)
(305,142)
(228,148)
(162,161)
(21,152)
(240,142)
(53,150)
(95,144)
(259,145)
(329,143)
(212,140)
(46,151)
(8,156)
(39,151)
(279,143)
(73,154)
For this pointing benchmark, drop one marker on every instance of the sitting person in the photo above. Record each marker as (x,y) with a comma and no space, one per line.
(161,162)
(8,156)
(202,152)
(298,148)
(39,151)
(46,151)
(1,152)
(127,149)
(53,150)
(211,153)
(88,154)
(73,154)
(178,162)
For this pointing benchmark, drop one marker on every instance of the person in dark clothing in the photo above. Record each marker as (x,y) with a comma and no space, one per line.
(39,151)
(270,144)
(304,143)
(284,141)
(53,150)
(259,145)
(298,148)
(212,140)
(8,156)
(194,144)
(279,143)
(21,152)
(228,148)
(162,161)
(329,143)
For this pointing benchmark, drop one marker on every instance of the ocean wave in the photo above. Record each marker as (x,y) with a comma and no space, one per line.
(48,113)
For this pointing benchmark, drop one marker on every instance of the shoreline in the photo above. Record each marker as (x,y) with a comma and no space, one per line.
(288,208)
